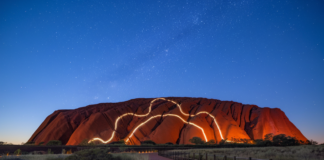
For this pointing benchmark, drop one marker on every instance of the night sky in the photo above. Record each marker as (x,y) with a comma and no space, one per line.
(64,55)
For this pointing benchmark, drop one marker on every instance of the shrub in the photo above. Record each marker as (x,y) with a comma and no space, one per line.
(148,142)
(54,143)
(169,143)
(268,137)
(41,143)
(246,141)
(49,151)
(120,142)
(30,143)
(92,154)
(279,140)
(196,140)
(17,152)
(211,142)
(222,142)
(260,142)
(311,142)
(283,140)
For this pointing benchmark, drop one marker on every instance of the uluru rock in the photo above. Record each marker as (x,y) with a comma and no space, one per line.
(164,120)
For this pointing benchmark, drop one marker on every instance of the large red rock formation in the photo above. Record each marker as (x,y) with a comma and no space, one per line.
(235,120)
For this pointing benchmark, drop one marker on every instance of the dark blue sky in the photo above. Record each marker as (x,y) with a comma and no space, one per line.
(64,55)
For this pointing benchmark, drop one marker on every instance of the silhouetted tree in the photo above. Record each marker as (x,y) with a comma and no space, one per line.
(302,142)
(283,140)
(259,142)
(92,154)
(245,141)
(148,142)
(196,140)
(279,140)
(54,143)
(292,141)
(30,143)
(222,142)
(211,142)
(268,137)
(311,142)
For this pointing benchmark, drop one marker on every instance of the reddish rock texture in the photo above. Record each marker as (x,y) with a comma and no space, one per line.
(234,119)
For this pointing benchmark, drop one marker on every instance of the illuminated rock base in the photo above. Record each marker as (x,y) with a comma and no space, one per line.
(164,120)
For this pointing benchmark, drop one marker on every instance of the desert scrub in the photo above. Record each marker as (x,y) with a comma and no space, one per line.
(54,143)
(92,154)
(307,152)
(17,152)
(103,154)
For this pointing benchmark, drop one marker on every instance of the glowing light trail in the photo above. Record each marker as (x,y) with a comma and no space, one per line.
(214,119)
(174,115)
(150,108)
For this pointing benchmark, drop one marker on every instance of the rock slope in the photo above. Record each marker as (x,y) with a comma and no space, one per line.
(234,120)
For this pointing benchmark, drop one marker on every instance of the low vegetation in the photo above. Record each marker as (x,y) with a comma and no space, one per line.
(29,143)
(303,152)
(279,147)
(148,142)
(274,147)
(269,140)
(85,142)
(54,143)
(87,154)
(92,153)
(5,143)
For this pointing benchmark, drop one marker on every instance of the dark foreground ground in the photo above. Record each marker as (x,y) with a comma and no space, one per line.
(25,149)
(155,156)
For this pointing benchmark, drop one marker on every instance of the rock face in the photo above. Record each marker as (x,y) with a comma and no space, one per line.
(160,121)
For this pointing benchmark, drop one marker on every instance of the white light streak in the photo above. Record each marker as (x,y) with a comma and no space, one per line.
(149,111)
(174,115)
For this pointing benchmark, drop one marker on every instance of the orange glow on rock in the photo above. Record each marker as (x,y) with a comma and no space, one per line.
(174,115)
(155,116)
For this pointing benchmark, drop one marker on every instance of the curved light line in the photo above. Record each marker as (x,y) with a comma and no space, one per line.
(164,116)
(141,125)
(150,108)
(214,119)
(116,122)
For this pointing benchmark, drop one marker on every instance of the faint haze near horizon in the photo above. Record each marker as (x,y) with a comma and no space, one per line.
(69,54)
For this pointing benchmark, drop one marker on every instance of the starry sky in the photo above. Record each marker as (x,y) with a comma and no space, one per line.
(69,54)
